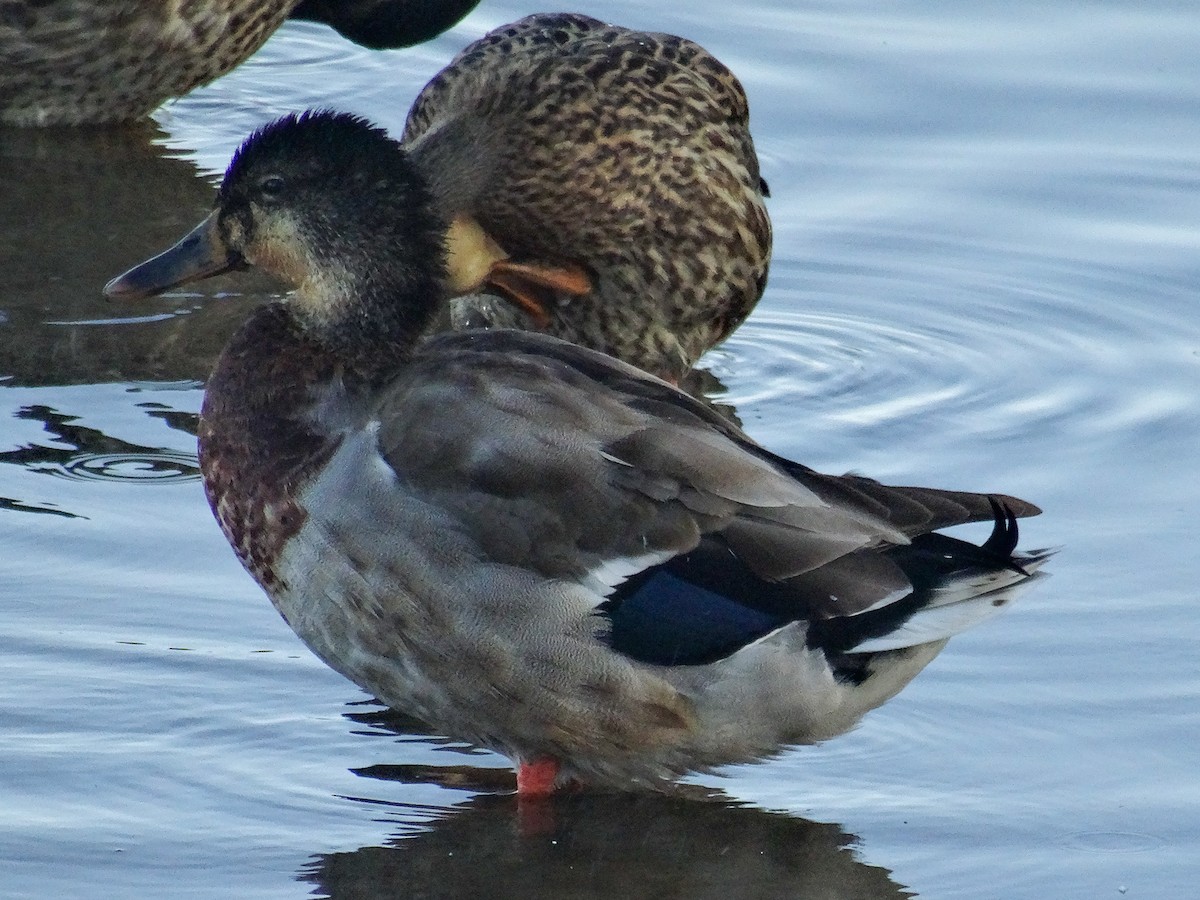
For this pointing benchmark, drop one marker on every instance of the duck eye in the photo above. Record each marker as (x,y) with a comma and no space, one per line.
(271,187)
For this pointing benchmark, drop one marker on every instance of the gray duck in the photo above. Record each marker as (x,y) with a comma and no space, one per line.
(528,544)
(97,62)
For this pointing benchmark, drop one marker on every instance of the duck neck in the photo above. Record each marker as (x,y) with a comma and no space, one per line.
(369,321)
(371,268)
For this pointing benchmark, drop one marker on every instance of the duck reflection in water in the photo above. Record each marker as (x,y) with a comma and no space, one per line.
(605,846)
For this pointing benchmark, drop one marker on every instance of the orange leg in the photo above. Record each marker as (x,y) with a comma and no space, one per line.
(536,778)
(525,284)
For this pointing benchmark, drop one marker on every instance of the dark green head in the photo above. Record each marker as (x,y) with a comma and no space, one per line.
(329,203)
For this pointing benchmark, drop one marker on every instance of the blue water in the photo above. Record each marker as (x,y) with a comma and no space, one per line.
(987,249)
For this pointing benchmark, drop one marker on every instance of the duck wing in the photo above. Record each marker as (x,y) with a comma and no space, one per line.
(693,539)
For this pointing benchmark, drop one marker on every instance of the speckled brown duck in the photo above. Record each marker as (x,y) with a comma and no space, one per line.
(93,62)
(601,179)
(528,544)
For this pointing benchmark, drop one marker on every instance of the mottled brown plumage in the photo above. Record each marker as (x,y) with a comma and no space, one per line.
(625,152)
(92,62)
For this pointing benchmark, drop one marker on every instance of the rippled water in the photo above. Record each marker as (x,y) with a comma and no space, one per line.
(986,260)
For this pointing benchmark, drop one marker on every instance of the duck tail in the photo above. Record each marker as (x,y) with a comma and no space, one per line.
(956,584)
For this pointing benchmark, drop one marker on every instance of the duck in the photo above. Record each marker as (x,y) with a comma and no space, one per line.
(528,544)
(601,185)
(79,62)
(385,24)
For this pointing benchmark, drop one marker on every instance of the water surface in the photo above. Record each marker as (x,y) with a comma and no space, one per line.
(986,261)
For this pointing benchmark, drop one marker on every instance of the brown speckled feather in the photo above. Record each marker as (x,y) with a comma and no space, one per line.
(624,151)
(252,458)
(89,62)
(71,62)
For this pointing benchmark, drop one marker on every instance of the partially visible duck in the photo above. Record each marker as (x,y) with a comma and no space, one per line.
(528,544)
(385,24)
(95,62)
(601,179)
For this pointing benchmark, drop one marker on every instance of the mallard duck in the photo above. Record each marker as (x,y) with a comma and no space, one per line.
(603,181)
(83,62)
(528,544)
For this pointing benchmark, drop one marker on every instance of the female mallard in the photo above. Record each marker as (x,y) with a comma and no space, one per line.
(604,180)
(83,62)
(528,544)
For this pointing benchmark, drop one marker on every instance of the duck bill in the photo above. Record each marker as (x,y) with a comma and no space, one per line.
(199,254)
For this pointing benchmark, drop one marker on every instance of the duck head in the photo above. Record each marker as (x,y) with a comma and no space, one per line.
(330,204)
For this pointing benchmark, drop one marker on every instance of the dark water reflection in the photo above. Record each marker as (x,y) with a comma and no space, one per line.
(90,454)
(79,205)
(700,848)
